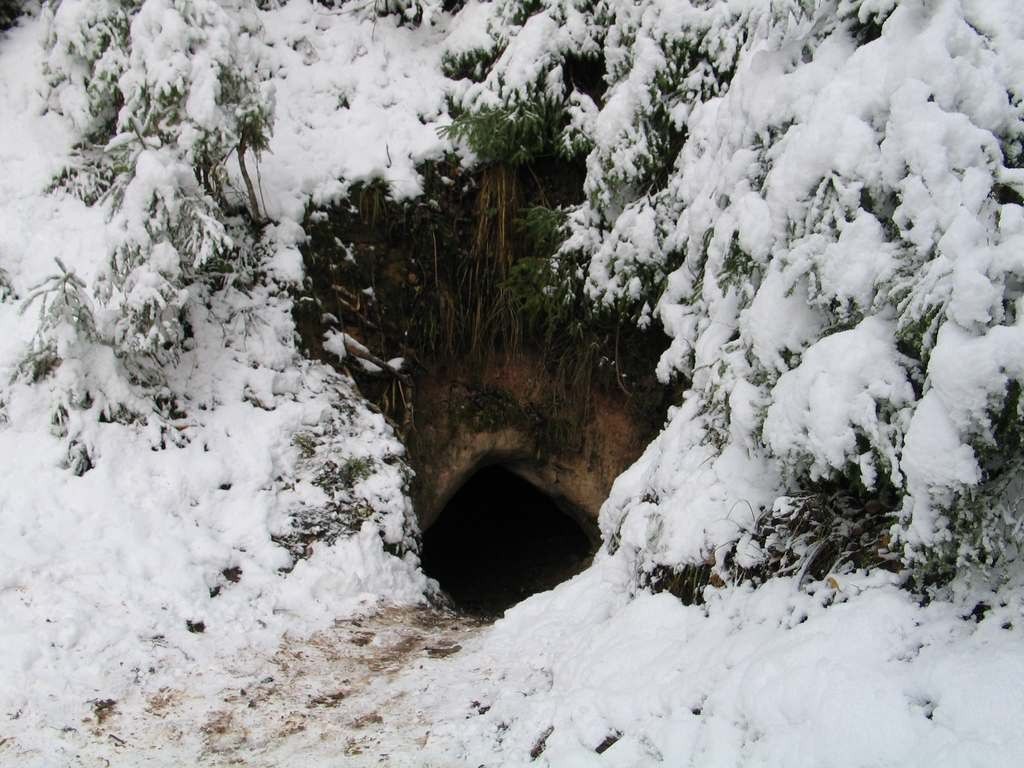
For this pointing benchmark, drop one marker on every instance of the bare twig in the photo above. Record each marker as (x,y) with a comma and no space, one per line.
(618,373)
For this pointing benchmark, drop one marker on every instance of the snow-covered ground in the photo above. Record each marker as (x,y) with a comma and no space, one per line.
(856,676)
(144,617)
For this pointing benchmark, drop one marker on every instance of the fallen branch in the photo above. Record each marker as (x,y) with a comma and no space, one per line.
(357,350)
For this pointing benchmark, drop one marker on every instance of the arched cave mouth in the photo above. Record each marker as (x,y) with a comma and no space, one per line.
(500,540)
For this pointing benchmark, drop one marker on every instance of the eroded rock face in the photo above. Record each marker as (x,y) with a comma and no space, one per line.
(501,413)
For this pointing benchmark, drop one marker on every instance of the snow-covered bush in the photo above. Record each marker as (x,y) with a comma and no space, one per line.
(65,317)
(168,233)
(164,92)
(526,104)
(6,289)
(822,204)
(192,83)
(413,12)
(181,74)
(9,10)
(88,45)
(662,59)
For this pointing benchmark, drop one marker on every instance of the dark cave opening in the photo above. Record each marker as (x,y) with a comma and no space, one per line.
(500,540)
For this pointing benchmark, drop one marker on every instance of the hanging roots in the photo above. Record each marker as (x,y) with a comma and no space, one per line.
(490,311)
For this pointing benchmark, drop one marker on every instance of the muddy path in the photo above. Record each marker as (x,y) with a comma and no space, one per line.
(362,692)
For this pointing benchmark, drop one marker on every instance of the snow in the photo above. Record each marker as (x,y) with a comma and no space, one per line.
(469,29)
(821,407)
(834,204)
(358,99)
(681,471)
(757,677)
(529,51)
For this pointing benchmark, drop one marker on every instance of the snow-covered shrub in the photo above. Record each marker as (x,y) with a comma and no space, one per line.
(169,231)
(164,92)
(88,45)
(407,11)
(9,11)
(159,74)
(662,58)
(821,203)
(192,83)
(857,431)
(810,537)
(88,382)
(415,11)
(469,49)
(524,103)
(6,289)
(65,318)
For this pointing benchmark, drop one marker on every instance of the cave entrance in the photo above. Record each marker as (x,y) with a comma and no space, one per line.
(500,540)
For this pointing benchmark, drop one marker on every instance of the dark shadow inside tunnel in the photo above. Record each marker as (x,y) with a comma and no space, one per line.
(500,540)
